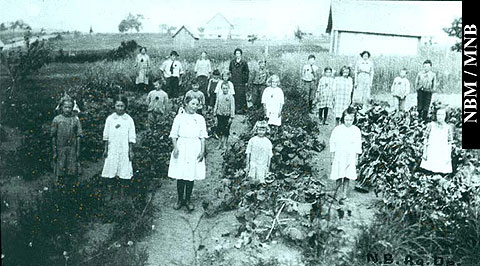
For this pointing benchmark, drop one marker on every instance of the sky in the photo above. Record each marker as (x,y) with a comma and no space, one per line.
(280,17)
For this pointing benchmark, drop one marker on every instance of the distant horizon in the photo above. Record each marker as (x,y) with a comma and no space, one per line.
(283,18)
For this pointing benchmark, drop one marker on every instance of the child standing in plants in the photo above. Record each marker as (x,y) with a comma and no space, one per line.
(119,137)
(203,69)
(309,79)
(273,100)
(345,146)
(426,85)
(259,153)
(437,146)
(212,86)
(342,92)
(196,93)
(324,95)
(66,131)
(187,162)
(157,101)
(142,63)
(172,71)
(400,90)
(258,83)
(225,111)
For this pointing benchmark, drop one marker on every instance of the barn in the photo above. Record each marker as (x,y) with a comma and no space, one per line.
(385,27)
(218,27)
(184,38)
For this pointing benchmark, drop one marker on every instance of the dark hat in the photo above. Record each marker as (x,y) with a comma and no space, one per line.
(173,53)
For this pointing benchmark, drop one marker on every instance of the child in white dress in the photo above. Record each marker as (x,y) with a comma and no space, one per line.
(273,100)
(259,153)
(345,145)
(187,162)
(119,137)
(437,147)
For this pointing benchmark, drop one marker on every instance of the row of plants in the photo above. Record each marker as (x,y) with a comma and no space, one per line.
(293,204)
(422,214)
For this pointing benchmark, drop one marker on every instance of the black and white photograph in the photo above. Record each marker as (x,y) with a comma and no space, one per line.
(238,132)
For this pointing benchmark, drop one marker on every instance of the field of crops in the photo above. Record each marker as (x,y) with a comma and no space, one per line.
(417,214)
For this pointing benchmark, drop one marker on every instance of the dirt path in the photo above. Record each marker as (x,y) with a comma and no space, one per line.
(358,209)
(171,242)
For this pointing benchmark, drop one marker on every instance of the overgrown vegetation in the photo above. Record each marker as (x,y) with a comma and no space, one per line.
(421,214)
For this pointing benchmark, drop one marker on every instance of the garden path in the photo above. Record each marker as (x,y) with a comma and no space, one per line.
(171,243)
(358,210)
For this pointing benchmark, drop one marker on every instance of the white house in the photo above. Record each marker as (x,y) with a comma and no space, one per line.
(386,27)
(218,27)
(184,38)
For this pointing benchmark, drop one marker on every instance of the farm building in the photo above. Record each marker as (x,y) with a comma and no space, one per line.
(184,38)
(218,27)
(386,27)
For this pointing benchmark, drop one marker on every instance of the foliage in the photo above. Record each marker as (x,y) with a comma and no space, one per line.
(130,22)
(125,50)
(57,221)
(18,24)
(33,157)
(21,63)
(421,212)
(455,30)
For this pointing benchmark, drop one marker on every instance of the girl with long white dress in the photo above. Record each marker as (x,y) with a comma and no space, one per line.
(119,137)
(345,146)
(437,148)
(187,161)
(273,100)
(142,63)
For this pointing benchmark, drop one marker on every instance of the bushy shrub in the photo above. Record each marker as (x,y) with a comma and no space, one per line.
(125,50)
(22,62)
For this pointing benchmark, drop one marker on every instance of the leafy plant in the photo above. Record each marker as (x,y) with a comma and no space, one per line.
(20,63)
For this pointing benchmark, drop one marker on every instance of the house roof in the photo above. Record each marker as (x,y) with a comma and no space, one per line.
(188,31)
(408,18)
(221,17)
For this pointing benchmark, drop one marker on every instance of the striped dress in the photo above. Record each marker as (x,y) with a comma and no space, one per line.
(342,94)
(324,95)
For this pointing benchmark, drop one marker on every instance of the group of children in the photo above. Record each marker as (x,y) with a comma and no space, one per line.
(189,132)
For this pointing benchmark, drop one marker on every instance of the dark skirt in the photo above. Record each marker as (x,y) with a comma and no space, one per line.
(223,126)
